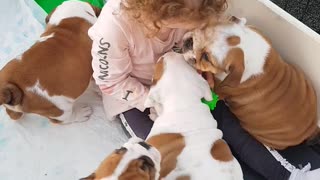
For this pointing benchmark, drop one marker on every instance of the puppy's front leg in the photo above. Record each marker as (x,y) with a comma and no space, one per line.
(209,78)
(14,115)
(73,114)
(155,111)
(59,109)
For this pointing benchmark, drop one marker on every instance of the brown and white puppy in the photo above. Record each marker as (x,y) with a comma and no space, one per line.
(55,71)
(184,143)
(273,99)
(136,160)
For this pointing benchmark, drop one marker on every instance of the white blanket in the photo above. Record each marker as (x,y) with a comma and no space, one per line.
(32,148)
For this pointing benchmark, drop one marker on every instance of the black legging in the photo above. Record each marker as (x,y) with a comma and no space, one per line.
(248,150)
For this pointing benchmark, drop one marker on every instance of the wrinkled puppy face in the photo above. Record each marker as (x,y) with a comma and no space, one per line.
(136,160)
(216,49)
(71,9)
(197,52)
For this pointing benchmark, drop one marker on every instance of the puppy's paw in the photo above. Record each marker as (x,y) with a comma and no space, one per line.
(153,117)
(82,113)
(153,114)
(55,121)
(14,115)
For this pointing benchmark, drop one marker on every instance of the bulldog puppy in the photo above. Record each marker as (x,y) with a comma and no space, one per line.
(273,99)
(135,160)
(184,143)
(55,71)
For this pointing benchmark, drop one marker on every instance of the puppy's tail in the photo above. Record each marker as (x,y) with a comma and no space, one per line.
(10,94)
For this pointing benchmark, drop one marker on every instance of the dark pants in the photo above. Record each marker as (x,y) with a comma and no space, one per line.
(254,157)
(256,161)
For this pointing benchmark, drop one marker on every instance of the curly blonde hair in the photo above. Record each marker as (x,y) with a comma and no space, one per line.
(151,13)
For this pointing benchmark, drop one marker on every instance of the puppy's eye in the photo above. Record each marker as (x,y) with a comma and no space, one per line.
(188,44)
(205,56)
(147,163)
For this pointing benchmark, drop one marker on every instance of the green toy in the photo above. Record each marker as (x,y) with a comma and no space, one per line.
(211,104)
(49,5)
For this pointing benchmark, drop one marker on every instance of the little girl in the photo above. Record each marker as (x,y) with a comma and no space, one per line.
(128,39)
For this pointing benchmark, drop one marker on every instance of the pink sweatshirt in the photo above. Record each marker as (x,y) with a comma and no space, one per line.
(124,58)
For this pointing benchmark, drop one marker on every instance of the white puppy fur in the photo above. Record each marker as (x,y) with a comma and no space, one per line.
(73,8)
(179,92)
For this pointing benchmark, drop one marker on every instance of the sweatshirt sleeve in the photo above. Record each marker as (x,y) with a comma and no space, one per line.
(112,63)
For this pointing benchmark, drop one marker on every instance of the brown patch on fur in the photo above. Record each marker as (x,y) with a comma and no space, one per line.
(183,178)
(14,115)
(234,64)
(108,166)
(233,40)
(90,177)
(221,151)
(170,146)
(138,171)
(159,68)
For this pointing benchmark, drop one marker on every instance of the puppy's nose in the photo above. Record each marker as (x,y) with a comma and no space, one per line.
(192,61)
(187,44)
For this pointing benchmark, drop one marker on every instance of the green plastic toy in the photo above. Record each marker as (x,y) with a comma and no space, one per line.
(211,104)
(49,5)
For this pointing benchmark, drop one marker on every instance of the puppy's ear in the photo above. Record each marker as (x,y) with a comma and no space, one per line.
(91,177)
(96,10)
(49,16)
(10,94)
(240,21)
(234,64)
